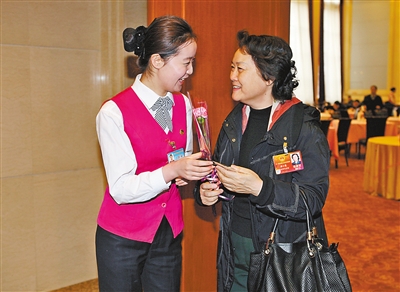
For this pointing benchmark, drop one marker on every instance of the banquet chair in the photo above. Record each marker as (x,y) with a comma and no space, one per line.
(375,127)
(325,126)
(342,132)
(344,113)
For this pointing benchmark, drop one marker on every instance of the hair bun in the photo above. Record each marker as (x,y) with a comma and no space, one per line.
(127,36)
(133,39)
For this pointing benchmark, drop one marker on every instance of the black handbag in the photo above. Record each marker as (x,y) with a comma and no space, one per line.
(304,266)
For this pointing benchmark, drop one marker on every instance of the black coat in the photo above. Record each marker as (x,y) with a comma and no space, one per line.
(372,103)
(279,196)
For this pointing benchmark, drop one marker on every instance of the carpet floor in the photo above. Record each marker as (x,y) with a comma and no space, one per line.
(367,227)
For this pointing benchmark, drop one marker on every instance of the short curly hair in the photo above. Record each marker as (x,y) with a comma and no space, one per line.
(273,58)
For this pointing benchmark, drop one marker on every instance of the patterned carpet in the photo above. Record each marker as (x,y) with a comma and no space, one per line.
(367,227)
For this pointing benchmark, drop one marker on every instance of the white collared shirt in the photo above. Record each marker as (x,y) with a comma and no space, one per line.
(119,158)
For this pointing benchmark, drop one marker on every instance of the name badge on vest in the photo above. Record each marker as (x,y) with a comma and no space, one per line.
(175,155)
(288,162)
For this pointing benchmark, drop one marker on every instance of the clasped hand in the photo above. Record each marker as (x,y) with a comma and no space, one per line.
(235,178)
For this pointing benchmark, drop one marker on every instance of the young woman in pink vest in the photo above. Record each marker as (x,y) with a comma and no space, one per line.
(140,223)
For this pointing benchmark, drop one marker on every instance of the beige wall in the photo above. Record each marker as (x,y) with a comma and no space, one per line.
(371,48)
(59,61)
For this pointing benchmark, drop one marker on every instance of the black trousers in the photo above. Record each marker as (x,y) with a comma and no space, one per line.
(128,265)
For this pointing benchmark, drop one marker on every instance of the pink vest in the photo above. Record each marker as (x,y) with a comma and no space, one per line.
(140,221)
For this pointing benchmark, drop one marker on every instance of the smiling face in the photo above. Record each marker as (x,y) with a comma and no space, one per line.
(248,86)
(171,73)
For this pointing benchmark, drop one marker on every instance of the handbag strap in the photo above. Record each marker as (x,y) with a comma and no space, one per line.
(311,229)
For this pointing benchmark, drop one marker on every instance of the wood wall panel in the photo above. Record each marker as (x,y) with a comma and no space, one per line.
(215,24)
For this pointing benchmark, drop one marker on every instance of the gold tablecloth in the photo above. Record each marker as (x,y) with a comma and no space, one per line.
(382,167)
(395,120)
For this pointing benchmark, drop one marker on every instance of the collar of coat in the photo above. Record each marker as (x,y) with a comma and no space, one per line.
(278,109)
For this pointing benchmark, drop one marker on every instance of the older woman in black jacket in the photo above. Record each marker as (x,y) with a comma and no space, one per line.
(257,182)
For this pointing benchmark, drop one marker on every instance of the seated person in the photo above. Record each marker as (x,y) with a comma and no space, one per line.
(354,109)
(349,103)
(324,106)
(356,104)
(339,111)
(391,103)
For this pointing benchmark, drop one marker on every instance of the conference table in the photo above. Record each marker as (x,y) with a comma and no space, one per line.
(382,167)
(357,131)
(325,116)
(394,120)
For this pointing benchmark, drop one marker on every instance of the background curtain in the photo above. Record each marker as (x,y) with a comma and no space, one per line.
(332,51)
(300,43)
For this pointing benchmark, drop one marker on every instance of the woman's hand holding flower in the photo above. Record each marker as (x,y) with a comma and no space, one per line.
(188,167)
